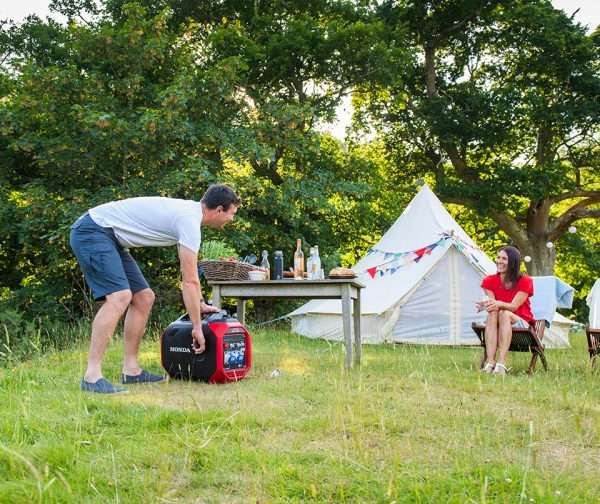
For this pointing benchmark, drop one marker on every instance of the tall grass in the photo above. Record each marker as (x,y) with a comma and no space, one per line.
(413,424)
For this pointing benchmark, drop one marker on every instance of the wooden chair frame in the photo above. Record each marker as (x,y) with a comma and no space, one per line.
(523,340)
(593,339)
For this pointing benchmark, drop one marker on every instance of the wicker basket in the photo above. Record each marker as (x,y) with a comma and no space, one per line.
(226,270)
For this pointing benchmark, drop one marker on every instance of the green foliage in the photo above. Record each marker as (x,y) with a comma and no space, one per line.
(165,98)
(214,250)
(499,105)
(148,98)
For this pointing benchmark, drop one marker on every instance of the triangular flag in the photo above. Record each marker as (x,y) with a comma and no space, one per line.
(419,253)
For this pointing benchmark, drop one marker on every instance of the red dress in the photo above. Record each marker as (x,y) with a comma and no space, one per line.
(524,284)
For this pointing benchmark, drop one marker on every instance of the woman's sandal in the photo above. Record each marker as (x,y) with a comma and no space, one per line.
(500,369)
(488,368)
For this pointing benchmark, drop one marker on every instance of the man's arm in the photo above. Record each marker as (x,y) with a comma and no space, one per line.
(192,294)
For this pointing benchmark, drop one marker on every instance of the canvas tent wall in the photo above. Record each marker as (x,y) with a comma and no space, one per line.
(418,293)
(422,281)
(557,335)
(593,301)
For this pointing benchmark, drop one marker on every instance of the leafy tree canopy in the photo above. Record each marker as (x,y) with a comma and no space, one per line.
(501,104)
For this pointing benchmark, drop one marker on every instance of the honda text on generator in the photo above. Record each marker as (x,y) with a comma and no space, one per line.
(228,353)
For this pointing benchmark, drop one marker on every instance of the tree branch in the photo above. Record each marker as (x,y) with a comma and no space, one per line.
(458,25)
(430,75)
(269,170)
(511,227)
(507,223)
(432,92)
(579,193)
(543,149)
(576,212)
(460,200)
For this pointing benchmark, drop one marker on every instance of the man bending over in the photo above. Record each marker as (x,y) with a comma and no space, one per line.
(101,239)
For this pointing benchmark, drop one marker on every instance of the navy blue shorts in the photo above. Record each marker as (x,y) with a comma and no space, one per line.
(106,265)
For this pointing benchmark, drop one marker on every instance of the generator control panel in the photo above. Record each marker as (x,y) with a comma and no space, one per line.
(234,350)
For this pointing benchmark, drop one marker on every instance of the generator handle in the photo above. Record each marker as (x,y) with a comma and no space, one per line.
(220,314)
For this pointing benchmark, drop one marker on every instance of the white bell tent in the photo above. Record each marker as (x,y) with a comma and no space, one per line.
(421,279)
(593,301)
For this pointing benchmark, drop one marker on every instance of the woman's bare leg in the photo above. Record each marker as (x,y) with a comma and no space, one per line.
(506,320)
(491,336)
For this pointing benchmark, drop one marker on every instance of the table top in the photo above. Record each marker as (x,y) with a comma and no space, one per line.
(315,289)
(290,281)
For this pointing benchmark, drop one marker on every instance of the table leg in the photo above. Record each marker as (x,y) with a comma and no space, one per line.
(357,335)
(347,320)
(241,311)
(216,296)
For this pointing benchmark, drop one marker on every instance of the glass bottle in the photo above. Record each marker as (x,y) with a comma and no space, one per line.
(264,264)
(316,264)
(278,265)
(298,261)
(309,264)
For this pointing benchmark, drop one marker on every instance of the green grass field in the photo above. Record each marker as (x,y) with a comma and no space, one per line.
(414,424)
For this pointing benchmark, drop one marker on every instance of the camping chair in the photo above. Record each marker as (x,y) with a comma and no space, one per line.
(593,339)
(523,340)
(592,331)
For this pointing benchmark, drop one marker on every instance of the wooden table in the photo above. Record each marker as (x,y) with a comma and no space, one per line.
(346,290)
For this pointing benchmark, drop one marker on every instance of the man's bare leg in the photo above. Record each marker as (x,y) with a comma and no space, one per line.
(134,328)
(103,327)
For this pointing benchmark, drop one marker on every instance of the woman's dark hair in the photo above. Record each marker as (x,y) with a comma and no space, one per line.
(220,195)
(513,269)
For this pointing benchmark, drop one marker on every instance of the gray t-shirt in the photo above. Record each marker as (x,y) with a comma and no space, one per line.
(152,221)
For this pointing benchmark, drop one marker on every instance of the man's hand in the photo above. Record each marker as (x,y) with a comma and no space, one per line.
(206,308)
(199,343)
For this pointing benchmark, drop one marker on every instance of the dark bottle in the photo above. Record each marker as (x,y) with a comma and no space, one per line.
(278,265)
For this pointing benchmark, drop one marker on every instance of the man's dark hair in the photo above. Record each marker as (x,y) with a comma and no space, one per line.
(513,269)
(220,195)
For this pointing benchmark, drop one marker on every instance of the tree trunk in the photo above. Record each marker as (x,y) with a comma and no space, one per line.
(542,257)
(536,245)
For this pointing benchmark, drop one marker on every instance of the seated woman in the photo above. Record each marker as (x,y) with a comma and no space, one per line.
(508,306)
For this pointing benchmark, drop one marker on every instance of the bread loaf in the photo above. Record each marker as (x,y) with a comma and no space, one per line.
(339,271)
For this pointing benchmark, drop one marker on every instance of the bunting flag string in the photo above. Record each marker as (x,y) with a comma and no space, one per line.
(393,261)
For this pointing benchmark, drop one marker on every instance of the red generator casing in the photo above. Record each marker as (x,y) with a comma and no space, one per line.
(228,353)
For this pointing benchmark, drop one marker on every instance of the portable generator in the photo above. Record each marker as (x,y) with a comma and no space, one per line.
(226,358)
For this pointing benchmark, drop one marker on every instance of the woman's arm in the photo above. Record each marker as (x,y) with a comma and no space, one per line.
(490,297)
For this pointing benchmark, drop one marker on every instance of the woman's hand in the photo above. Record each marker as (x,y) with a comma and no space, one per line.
(493,305)
(484,304)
